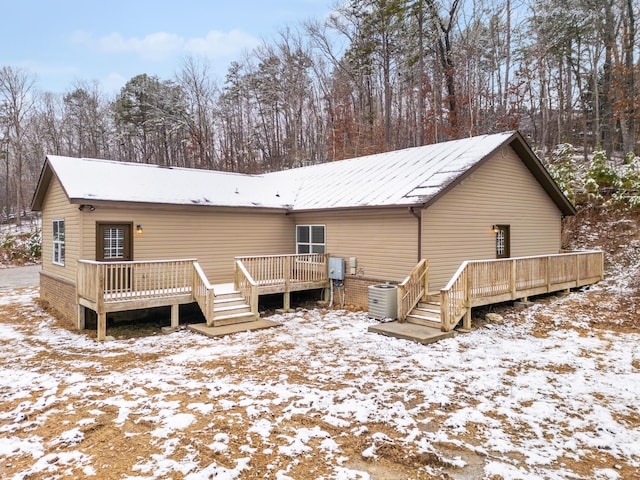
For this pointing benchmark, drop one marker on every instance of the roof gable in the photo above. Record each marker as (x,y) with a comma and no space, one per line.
(413,176)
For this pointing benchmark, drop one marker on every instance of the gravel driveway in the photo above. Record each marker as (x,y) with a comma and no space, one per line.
(18,277)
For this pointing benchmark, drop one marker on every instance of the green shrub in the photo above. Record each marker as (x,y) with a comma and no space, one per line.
(628,193)
(600,176)
(562,169)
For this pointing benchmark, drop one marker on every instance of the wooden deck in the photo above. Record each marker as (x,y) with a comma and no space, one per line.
(106,287)
(120,286)
(485,282)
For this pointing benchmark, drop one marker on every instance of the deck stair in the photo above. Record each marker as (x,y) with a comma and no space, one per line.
(426,313)
(230,308)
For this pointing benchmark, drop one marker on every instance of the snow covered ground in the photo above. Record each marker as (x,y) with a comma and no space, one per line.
(544,395)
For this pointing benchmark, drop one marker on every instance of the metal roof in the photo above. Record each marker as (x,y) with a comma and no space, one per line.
(402,177)
(413,176)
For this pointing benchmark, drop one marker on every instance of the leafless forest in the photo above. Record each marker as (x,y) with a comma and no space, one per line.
(375,75)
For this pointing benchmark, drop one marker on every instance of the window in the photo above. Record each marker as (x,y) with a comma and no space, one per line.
(310,238)
(58,242)
(113,243)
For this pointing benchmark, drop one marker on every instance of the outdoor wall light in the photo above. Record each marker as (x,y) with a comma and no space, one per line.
(495,229)
(82,207)
(139,229)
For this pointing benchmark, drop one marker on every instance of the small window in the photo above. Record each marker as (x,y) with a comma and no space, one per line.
(58,242)
(310,239)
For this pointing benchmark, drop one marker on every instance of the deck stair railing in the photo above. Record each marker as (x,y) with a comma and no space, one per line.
(268,274)
(246,285)
(413,289)
(203,293)
(483,282)
(279,269)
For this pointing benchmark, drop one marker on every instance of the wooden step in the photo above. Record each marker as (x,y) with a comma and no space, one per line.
(430,307)
(227,295)
(426,313)
(227,302)
(230,309)
(423,320)
(233,318)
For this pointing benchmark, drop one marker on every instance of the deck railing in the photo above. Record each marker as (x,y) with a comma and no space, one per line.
(112,282)
(274,269)
(413,289)
(203,293)
(246,285)
(483,282)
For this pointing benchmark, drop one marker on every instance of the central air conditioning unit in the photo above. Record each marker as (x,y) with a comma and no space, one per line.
(383,301)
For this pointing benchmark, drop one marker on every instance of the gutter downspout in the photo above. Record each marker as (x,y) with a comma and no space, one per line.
(419,218)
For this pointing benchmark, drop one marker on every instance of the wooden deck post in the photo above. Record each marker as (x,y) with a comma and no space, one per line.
(102,326)
(466,320)
(81,317)
(175,315)
(425,284)
(288,273)
(102,315)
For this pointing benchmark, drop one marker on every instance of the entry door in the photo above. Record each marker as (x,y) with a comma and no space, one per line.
(503,241)
(114,242)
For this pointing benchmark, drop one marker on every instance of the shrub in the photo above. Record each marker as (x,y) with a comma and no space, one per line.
(21,248)
(628,194)
(600,176)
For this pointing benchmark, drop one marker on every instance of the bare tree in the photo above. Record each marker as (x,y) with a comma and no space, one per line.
(16,103)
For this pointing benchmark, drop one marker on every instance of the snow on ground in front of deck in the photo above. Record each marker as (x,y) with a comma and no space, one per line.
(318,393)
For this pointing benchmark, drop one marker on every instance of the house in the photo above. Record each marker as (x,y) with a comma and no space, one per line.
(136,235)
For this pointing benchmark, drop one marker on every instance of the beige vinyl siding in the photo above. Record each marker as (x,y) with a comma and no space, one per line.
(384,241)
(212,236)
(56,206)
(501,191)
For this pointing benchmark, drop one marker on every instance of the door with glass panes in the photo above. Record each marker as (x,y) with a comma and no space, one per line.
(503,241)
(114,243)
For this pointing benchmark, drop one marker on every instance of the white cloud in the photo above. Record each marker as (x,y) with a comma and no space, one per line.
(155,47)
(221,44)
(161,46)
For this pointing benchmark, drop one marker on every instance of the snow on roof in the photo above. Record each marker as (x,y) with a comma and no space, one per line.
(106,180)
(403,177)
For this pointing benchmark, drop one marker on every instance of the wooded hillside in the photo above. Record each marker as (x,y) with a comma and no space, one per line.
(375,75)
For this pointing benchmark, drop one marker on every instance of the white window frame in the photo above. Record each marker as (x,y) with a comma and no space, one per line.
(58,246)
(311,244)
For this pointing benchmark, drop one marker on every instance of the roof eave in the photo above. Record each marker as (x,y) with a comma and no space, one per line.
(46,174)
(102,203)
(293,211)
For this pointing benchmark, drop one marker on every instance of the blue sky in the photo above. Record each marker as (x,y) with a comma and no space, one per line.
(111,41)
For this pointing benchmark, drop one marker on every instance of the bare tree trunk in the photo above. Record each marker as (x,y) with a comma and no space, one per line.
(15,88)
(421,76)
(507,60)
(629,130)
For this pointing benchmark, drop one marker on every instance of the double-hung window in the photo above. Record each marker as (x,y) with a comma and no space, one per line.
(310,239)
(58,242)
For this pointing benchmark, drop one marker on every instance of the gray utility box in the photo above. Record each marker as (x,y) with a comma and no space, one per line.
(336,268)
(383,301)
